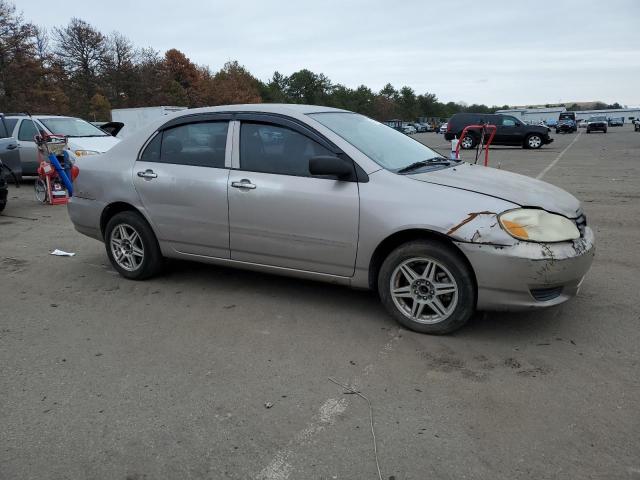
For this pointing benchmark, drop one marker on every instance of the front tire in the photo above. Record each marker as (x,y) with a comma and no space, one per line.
(469,141)
(132,247)
(427,287)
(533,141)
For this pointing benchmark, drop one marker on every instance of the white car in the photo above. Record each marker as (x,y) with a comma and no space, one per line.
(83,137)
(409,129)
(582,123)
(443,128)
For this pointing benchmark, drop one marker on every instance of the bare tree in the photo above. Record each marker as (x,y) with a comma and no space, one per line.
(82,50)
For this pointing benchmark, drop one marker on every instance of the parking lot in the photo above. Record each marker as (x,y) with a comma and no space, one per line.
(171,378)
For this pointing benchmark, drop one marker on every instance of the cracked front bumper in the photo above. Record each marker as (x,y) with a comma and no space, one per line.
(509,276)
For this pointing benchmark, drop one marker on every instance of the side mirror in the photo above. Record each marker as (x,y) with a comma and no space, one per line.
(328,165)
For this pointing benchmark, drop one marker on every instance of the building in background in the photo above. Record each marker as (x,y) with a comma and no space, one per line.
(537,115)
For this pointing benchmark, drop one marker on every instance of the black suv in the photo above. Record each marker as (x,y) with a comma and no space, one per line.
(597,124)
(510,130)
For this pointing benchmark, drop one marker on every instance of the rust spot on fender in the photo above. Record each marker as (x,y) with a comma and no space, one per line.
(467,220)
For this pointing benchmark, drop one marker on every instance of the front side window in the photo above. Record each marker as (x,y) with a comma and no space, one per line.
(273,149)
(387,147)
(508,122)
(27,131)
(198,144)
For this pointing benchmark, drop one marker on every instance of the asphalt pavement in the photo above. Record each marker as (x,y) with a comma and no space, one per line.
(210,373)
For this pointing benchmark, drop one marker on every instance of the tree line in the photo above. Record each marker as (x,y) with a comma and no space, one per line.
(78,70)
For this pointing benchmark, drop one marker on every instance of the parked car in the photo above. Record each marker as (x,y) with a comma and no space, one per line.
(112,128)
(409,129)
(595,124)
(582,123)
(443,128)
(9,158)
(551,123)
(341,199)
(636,125)
(566,125)
(509,130)
(84,138)
(616,122)
(568,116)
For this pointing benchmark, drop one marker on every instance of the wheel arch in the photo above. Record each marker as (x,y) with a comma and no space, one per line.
(114,208)
(390,243)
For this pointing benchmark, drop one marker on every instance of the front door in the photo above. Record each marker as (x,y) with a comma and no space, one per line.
(28,149)
(509,131)
(282,216)
(181,178)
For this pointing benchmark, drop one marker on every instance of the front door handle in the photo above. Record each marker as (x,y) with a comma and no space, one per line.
(244,183)
(13,146)
(148,174)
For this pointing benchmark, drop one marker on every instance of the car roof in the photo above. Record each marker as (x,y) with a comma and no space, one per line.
(282,108)
(38,116)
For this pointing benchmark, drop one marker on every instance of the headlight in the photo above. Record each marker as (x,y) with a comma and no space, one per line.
(538,225)
(82,153)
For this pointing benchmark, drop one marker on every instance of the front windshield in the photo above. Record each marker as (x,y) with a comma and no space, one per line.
(72,127)
(387,147)
(597,119)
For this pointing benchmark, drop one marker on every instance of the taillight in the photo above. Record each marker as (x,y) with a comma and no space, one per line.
(75,171)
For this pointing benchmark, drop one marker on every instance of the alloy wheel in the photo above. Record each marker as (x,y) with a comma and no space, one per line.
(467,142)
(424,290)
(127,247)
(534,141)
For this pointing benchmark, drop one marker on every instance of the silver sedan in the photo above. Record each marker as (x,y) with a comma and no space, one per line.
(326,194)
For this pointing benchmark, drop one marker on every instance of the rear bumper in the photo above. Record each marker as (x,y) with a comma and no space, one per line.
(529,275)
(85,216)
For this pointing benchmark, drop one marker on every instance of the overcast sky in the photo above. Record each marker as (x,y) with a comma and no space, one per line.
(495,52)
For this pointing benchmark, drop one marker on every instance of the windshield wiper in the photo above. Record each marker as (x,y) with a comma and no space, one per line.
(424,163)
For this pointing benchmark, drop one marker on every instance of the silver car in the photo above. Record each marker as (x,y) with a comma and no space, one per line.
(326,194)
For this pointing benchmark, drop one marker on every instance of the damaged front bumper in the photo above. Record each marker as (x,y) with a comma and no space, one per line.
(528,274)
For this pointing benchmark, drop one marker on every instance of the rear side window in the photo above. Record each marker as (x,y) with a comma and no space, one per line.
(197,144)
(27,131)
(3,130)
(508,122)
(273,149)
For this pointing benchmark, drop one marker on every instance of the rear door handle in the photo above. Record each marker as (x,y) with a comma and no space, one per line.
(148,174)
(244,183)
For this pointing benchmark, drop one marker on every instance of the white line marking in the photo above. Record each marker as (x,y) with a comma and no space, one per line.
(552,164)
(280,467)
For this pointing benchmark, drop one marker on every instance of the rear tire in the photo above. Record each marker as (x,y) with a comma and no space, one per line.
(416,303)
(132,246)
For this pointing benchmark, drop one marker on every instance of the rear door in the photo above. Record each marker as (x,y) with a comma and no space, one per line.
(181,178)
(279,214)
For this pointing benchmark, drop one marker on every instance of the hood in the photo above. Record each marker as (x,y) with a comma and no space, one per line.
(512,187)
(99,144)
